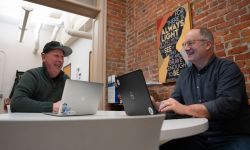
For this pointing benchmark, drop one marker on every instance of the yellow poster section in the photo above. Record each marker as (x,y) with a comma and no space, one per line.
(163,63)
(67,70)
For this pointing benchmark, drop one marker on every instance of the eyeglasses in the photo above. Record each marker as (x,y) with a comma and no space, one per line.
(191,42)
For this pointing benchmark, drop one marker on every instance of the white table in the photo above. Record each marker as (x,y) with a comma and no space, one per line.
(171,129)
(179,128)
(174,128)
(104,130)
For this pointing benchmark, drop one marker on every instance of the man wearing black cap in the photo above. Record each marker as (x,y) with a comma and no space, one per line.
(40,89)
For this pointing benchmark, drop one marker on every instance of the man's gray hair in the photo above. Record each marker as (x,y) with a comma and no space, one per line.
(208,35)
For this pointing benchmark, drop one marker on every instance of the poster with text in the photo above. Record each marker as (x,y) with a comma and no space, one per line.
(171,30)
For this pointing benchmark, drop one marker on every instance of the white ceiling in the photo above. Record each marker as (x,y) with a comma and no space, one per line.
(11,11)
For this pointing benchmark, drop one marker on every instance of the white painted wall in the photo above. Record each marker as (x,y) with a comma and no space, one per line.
(19,56)
(80,59)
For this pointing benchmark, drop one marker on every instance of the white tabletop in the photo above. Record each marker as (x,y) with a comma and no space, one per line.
(171,129)
(43,117)
(178,128)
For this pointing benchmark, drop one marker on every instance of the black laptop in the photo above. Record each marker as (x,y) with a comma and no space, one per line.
(134,93)
(136,98)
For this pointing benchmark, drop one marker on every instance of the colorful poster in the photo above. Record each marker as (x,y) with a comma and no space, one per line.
(171,30)
(67,70)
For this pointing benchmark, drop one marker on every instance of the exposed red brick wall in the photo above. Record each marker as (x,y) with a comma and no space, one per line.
(229,20)
(116,27)
(116,39)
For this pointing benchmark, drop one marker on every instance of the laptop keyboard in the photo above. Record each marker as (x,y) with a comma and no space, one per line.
(173,115)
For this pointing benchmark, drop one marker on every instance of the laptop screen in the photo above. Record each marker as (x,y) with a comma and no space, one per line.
(135,95)
(80,98)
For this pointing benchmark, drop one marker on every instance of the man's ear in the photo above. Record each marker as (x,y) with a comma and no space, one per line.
(209,45)
(43,56)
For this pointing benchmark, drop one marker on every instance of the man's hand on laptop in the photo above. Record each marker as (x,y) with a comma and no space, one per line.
(56,106)
(166,105)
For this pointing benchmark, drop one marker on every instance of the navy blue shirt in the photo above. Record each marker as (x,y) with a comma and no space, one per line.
(220,86)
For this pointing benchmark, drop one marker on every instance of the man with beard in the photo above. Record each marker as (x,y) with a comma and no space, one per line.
(211,88)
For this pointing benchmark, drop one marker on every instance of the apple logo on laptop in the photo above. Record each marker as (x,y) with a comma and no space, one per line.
(83,98)
(131,95)
(150,110)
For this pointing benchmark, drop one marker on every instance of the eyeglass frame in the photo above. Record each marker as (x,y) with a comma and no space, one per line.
(191,42)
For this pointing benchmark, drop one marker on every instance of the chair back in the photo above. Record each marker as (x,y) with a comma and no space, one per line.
(124,133)
(17,79)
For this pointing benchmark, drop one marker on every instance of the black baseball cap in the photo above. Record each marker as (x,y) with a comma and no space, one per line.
(57,45)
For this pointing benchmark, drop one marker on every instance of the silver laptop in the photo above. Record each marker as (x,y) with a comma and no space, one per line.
(79,98)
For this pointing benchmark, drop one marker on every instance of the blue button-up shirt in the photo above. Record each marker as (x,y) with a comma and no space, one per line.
(220,86)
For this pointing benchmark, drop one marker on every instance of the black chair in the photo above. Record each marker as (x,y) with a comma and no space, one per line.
(17,79)
(7,101)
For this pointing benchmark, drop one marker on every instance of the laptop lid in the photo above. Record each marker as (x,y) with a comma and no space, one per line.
(134,93)
(80,98)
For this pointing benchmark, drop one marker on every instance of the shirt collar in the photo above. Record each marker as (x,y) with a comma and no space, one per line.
(211,60)
(47,74)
